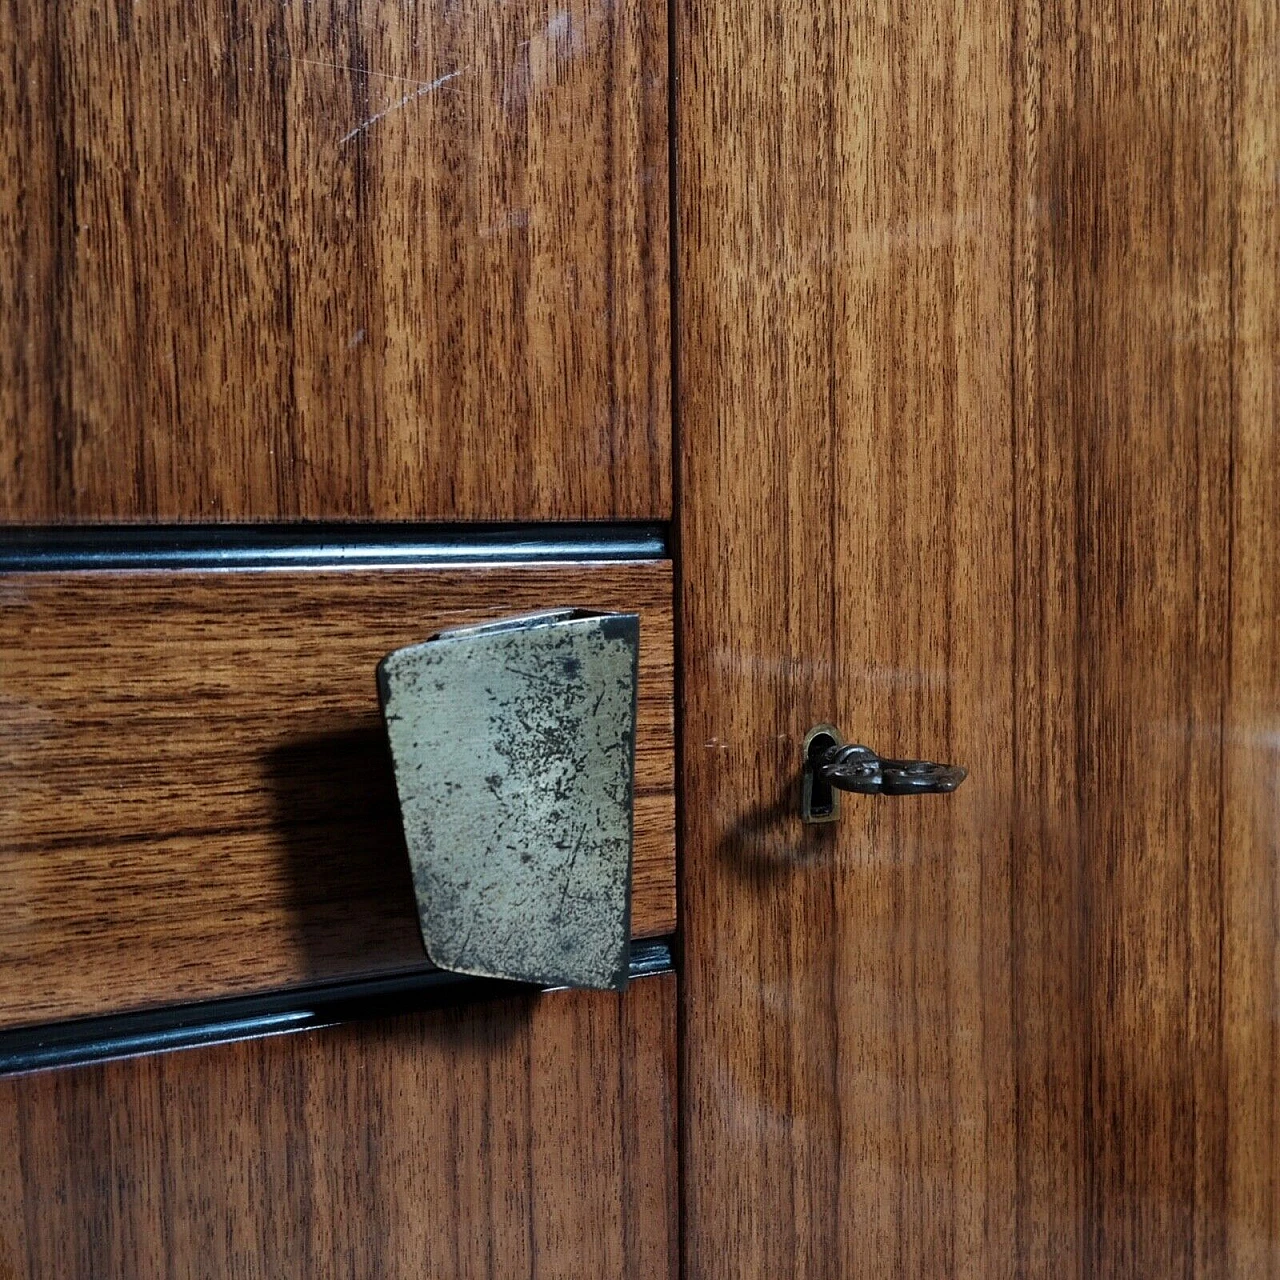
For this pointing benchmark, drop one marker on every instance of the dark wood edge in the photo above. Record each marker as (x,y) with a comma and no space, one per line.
(29,549)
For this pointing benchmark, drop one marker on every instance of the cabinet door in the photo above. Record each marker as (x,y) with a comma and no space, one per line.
(979,322)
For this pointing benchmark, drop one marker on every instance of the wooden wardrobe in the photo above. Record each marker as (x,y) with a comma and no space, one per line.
(912,368)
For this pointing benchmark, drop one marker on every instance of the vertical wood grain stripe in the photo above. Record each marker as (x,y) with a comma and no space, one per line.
(1250,946)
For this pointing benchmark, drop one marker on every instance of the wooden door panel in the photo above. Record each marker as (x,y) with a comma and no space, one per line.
(977,354)
(327,261)
(198,800)
(530,1137)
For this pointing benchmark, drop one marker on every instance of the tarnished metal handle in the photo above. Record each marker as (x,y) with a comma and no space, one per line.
(859,769)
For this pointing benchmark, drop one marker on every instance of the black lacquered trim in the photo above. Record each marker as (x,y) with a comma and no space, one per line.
(188,1026)
(320,546)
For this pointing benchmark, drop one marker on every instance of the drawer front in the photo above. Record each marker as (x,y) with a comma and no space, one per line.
(198,796)
(321,260)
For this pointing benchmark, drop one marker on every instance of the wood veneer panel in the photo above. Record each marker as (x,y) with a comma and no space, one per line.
(198,798)
(978,323)
(1123,416)
(531,1137)
(333,260)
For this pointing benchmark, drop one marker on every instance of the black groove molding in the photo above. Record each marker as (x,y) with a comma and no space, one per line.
(188,1026)
(25,549)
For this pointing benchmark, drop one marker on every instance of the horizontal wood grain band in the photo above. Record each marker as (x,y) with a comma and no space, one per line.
(46,549)
(189,1026)
(198,799)
(529,1136)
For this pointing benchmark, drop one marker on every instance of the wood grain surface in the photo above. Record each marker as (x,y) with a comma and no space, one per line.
(198,797)
(530,1138)
(977,358)
(333,260)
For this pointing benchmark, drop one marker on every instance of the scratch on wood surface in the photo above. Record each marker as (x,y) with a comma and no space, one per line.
(354,69)
(404,102)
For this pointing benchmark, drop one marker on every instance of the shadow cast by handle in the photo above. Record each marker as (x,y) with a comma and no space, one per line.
(337,819)
(769,842)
